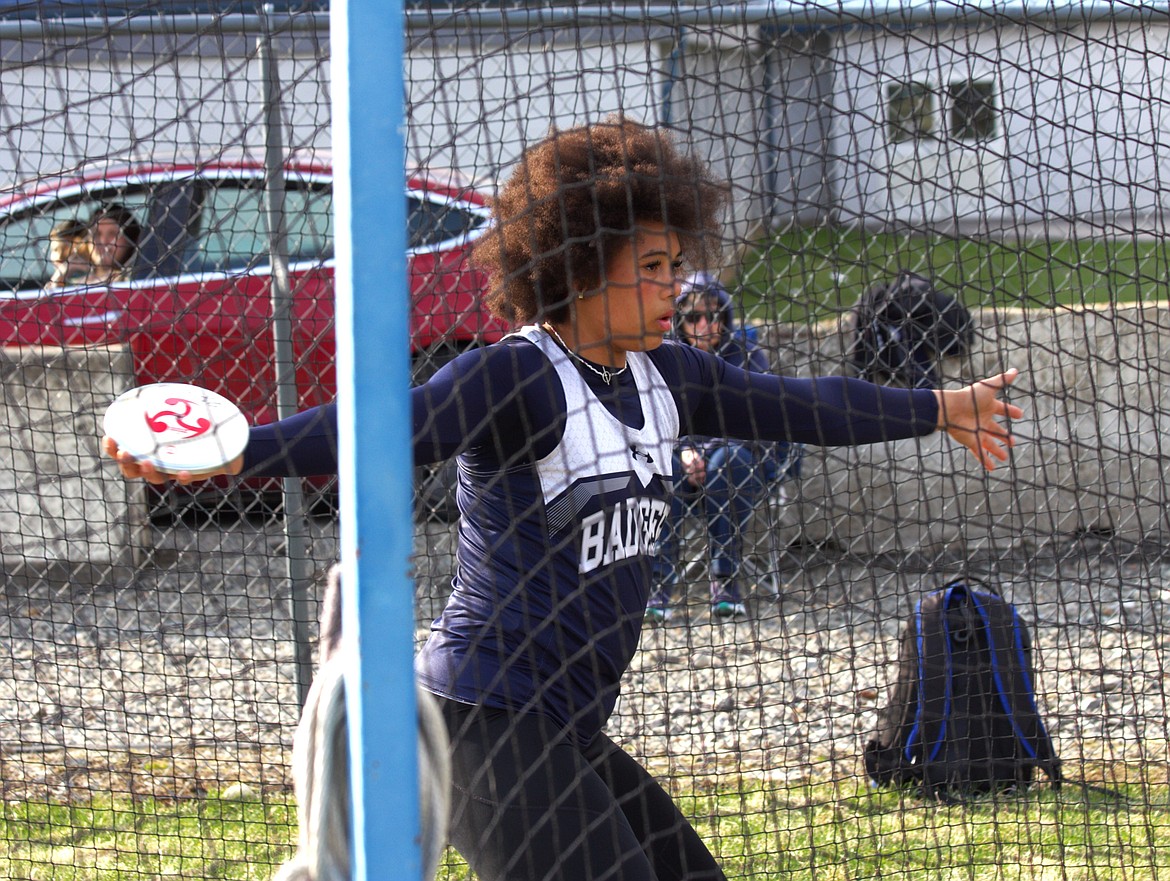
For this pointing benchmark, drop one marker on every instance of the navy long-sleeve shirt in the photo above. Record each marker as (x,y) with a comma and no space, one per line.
(552,582)
(502,402)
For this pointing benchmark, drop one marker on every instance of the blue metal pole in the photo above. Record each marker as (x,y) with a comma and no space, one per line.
(373,379)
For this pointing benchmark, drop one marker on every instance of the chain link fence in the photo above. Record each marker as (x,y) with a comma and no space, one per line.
(156,645)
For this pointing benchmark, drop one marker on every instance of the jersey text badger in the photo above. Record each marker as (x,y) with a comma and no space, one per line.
(627,530)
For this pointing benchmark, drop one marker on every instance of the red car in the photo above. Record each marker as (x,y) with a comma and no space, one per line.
(196,306)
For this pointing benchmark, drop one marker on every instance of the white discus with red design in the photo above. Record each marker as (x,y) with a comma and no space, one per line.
(177,427)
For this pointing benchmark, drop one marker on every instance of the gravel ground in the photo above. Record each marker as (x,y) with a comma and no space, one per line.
(183,681)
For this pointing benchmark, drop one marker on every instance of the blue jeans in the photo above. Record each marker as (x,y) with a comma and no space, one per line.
(734,486)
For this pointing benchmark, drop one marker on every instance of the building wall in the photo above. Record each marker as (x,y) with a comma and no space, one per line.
(795,120)
(474,102)
(1082,113)
(477,100)
(142,96)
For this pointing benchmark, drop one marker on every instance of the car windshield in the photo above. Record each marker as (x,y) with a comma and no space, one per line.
(233,226)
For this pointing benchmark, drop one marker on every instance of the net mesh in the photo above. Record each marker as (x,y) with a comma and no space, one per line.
(155,645)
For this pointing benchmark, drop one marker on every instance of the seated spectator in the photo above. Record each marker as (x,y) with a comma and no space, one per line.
(724,478)
(115,232)
(70,253)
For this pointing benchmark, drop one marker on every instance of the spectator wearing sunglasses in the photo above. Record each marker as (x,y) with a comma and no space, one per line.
(722,479)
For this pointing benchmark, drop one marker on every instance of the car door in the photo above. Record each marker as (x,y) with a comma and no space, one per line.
(445,288)
(222,309)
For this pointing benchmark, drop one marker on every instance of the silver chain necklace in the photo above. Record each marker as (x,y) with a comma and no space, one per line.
(604,372)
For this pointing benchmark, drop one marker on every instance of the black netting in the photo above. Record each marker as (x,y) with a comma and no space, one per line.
(156,644)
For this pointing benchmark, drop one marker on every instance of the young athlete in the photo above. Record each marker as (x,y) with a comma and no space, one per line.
(564,433)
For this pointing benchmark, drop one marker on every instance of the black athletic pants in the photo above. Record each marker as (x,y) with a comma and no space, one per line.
(528,805)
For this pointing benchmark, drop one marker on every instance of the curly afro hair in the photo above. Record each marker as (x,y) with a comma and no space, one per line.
(575,198)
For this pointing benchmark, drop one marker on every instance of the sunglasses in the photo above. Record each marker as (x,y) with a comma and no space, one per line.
(694,317)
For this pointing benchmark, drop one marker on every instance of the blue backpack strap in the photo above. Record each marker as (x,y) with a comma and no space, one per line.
(1011,666)
(935,679)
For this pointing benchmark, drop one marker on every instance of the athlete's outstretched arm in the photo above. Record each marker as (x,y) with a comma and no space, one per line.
(484,397)
(720,400)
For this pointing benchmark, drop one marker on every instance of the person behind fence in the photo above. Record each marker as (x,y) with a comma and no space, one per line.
(70,253)
(722,479)
(565,432)
(115,233)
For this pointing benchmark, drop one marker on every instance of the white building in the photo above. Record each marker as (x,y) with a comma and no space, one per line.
(919,115)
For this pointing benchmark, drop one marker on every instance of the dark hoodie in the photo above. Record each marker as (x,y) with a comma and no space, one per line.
(737,346)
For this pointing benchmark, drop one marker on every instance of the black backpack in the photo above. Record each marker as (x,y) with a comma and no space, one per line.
(962,718)
(904,327)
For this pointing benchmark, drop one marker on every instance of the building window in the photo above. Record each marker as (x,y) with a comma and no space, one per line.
(973,112)
(909,112)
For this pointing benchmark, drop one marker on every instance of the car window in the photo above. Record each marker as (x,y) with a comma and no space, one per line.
(309,219)
(431,222)
(24,235)
(234,229)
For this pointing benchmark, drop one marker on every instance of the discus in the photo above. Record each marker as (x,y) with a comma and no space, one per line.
(177,427)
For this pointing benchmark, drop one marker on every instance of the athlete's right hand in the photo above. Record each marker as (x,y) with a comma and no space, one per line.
(134,469)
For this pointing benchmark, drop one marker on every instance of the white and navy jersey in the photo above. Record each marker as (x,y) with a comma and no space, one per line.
(561,493)
(601,457)
(554,553)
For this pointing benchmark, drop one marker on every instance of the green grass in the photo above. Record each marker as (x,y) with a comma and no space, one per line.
(124,838)
(822,832)
(815,273)
(868,835)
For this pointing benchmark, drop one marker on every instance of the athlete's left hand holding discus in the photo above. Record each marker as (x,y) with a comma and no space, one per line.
(170,429)
(135,469)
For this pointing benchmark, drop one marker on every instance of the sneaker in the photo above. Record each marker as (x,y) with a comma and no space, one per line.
(659,610)
(726,602)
